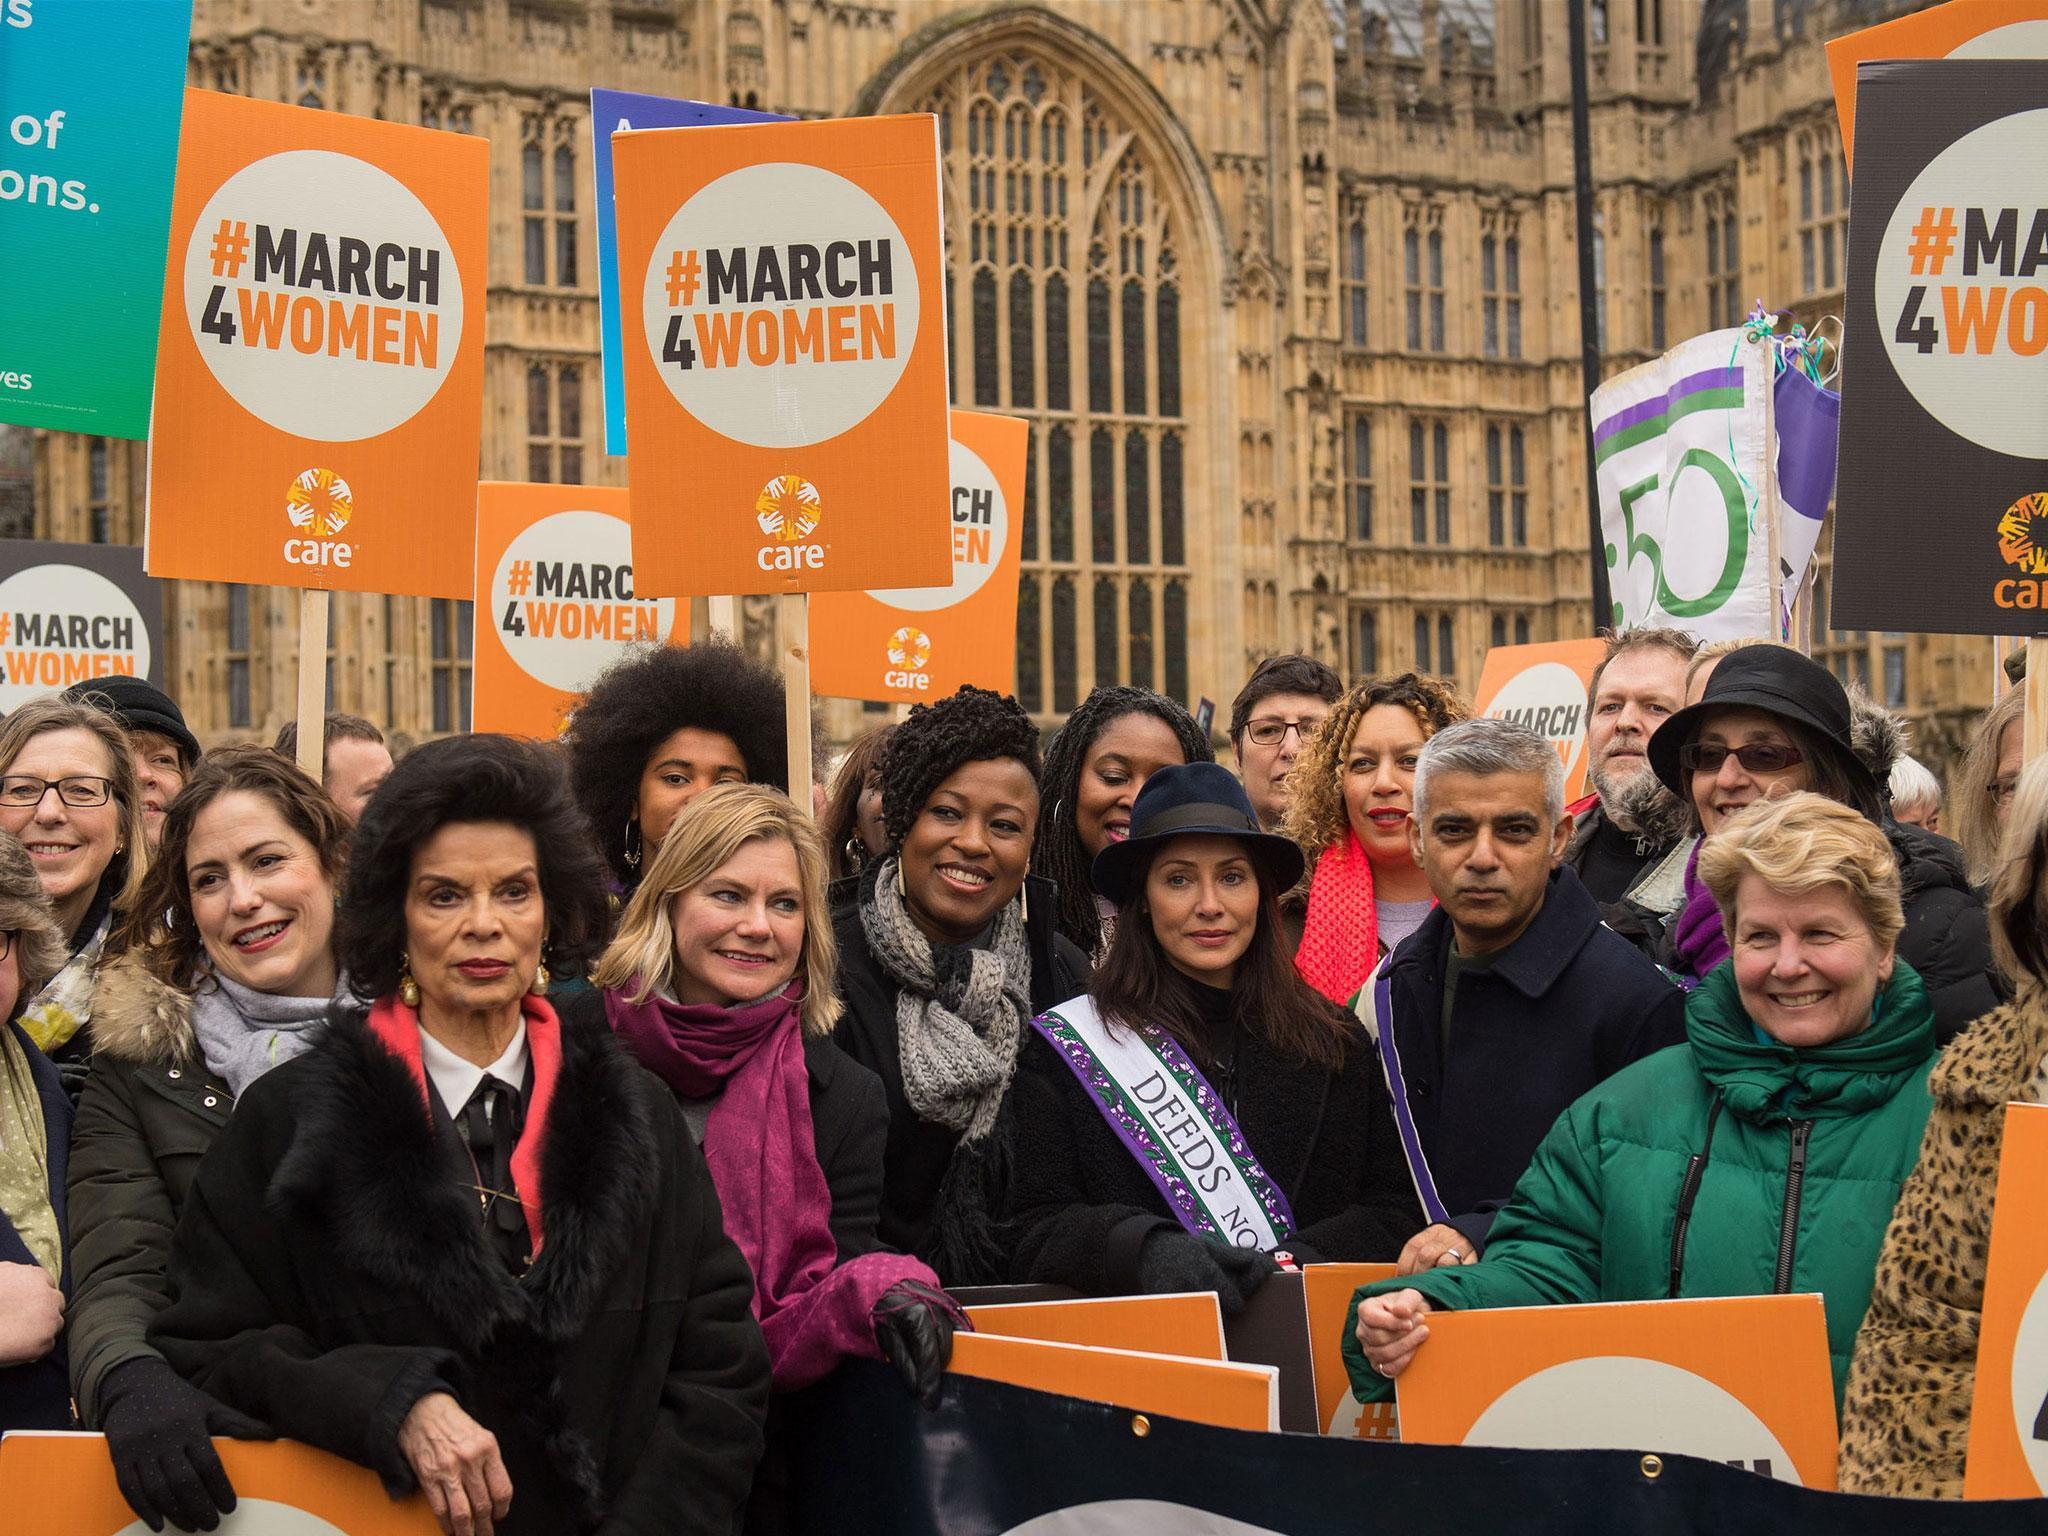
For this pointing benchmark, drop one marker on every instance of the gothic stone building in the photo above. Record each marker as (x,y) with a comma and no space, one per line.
(1287,290)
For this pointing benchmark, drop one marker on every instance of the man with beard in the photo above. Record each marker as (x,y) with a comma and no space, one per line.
(1627,831)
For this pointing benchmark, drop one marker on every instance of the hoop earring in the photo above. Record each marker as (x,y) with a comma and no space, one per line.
(631,843)
(408,989)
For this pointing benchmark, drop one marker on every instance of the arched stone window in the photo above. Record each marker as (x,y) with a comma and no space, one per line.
(1066,265)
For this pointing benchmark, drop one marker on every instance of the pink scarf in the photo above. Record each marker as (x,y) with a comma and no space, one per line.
(397,1029)
(1340,942)
(813,1310)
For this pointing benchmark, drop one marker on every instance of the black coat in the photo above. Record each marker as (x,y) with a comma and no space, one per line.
(149,1113)
(327,1273)
(1080,1205)
(849,1124)
(1947,937)
(1564,1007)
(37,1393)
(917,1154)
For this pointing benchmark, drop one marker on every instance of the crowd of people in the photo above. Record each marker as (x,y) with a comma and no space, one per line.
(521,1120)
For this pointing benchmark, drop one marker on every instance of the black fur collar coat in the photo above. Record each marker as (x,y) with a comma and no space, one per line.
(328,1272)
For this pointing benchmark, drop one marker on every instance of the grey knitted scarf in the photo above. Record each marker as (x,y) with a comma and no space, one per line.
(243,1034)
(960,1009)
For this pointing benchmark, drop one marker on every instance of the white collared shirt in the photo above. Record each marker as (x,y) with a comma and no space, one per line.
(455,1079)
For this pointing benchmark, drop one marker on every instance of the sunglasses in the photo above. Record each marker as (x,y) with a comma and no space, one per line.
(1755,756)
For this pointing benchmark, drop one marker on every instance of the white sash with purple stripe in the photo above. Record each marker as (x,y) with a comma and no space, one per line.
(1375,1010)
(1174,1123)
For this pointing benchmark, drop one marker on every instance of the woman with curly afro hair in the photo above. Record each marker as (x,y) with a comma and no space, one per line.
(1097,763)
(948,953)
(659,728)
(1349,801)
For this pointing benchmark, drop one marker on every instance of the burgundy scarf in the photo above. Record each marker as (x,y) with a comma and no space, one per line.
(813,1310)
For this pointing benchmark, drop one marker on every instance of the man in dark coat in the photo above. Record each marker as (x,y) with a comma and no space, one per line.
(1512,998)
(328,1274)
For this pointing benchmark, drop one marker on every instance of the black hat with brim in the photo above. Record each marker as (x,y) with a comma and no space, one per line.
(1191,800)
(1779,681)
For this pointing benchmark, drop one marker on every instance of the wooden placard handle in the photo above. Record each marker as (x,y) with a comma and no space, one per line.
(793,623)
(312,679)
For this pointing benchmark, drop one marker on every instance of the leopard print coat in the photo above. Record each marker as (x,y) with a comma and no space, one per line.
(1906,1411)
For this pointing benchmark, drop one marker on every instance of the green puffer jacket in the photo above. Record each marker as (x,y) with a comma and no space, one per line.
(1593,1218)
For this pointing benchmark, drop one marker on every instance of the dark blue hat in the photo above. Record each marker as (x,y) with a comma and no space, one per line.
(1191,800)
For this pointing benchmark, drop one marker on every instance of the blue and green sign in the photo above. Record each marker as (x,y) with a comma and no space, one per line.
(90,96)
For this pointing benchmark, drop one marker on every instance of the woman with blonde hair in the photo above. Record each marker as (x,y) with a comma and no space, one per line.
(1981,799)
(1761,1157)
(720,983)
(1349,803)
(1906,1418)
(68,792)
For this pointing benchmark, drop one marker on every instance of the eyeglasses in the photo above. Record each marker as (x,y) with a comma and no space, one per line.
(1268,732)
(24,791)
(6,945)
(1755,756)
(2001,791)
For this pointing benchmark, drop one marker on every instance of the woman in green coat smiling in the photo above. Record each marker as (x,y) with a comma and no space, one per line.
(1764,1155)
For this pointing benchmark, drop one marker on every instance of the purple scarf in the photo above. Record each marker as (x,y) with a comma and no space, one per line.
(813,1310)
(1699,941)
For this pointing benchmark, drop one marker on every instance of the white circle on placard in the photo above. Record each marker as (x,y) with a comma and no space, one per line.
(2018,40)
(1549,698)
(2030,1381)
(980,531)
(1135,1517)
(258,1517)
(1624,1403)
(83,606)
(752,392)
(567,621)
(324,379)
(1984,382)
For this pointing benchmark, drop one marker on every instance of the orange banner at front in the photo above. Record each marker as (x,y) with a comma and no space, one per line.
(319,388)
(1742,1380)
(783,304)
(63,1485)
(1327,1289)
(907,645)
(556,601)
(2008,1457)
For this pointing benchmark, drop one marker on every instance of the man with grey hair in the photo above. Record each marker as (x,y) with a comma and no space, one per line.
(1512,998)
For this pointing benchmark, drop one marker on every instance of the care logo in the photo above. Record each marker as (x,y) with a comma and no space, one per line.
(319,504)
(909,650)
(788,511)
(1962,286)
(323,295)
(2023,544)
(780,305)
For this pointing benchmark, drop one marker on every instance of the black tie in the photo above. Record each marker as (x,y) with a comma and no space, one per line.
(490,1125)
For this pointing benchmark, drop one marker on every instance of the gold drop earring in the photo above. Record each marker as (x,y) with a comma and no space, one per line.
(408,989)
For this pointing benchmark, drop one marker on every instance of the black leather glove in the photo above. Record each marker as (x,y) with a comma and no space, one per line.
(1180,1261)
(158,1428)
(914,1325)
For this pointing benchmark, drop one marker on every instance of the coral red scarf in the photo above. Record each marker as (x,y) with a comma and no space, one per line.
(397,1029)
(1340,943)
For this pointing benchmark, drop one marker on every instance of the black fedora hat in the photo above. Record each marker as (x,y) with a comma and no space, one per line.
(1191,800)
(1779,681)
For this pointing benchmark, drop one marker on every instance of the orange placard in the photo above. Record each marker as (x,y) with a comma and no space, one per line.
(1544,687)
(783,299)
(63,1485)
(319,388)
(1188,1324)
(1328,1288)
(1962,29)
(907,644)
(555,601)
(2008,1456)
(1204,1391)
(1742,1380)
